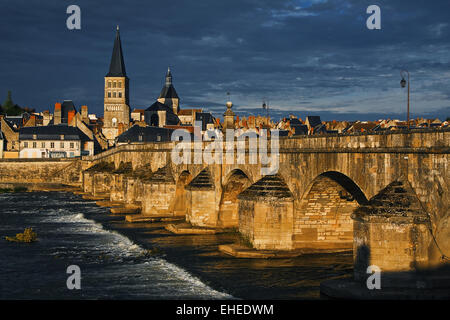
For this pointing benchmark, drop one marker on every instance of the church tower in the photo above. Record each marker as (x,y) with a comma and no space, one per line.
(168,95)
(116,100)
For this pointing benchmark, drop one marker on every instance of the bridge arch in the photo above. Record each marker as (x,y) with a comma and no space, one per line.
(322,217)
(234,183)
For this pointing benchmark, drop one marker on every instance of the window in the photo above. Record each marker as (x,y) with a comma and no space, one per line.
(42,144)
(114,84)
(109,84)
(71,145)
(114,94)
(25,144)
(119,84)
(62,145)
(34,145)
(120,94)
(109,94)
(52,145)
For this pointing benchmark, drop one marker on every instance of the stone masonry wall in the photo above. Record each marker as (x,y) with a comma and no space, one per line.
(49,171)
(324,216)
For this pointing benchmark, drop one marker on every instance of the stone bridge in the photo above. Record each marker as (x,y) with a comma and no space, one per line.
(387,195)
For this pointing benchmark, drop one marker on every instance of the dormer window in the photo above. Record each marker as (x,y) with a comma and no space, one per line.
(34,136)
(62,137)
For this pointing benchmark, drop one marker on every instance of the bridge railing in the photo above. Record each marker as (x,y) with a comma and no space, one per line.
(437,140)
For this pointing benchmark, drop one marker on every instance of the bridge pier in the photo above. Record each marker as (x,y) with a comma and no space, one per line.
(391,232)
(266,214)
(201,199)
(159,193)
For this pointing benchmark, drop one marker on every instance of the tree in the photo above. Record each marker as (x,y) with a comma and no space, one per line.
(448,119)
(8,104)
(9,108)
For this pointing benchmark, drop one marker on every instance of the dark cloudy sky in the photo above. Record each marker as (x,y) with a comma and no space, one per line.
(306,57)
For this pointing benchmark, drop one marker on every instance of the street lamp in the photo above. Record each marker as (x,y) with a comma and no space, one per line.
(403,73)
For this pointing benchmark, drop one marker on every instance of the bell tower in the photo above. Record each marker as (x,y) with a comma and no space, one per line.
(116,99)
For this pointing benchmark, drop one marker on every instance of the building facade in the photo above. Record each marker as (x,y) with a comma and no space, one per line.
(54,142)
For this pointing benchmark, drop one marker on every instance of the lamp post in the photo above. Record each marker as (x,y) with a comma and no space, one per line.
(403,85)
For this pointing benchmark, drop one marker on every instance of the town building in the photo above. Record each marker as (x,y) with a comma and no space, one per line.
(1,145)
(139,134)
(138,115)
(54,141)
(10,134)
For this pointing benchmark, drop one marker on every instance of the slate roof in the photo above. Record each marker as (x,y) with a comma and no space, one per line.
(168,91)
(148,134)
(314,121)
(117,66)
(300,129)
(171,117)
(52,132)
(67,106)
(205,118)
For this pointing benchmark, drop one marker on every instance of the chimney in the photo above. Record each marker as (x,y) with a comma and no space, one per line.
(70,116)
(57,114)
(84,114)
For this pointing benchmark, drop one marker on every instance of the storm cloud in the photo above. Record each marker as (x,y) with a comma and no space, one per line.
(303,57)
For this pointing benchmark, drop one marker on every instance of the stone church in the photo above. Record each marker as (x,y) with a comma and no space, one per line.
(116,99)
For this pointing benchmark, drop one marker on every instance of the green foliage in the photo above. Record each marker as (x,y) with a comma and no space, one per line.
(11,109)
(448,119)
(8,104)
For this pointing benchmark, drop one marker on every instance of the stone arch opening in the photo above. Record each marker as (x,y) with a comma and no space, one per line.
(323,217)
(237,182)
(180,206)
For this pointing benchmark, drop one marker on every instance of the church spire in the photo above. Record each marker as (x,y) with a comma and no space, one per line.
(168,77)
(117,66)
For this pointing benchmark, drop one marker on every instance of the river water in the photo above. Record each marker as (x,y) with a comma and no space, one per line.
(112,267)
(112,258)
